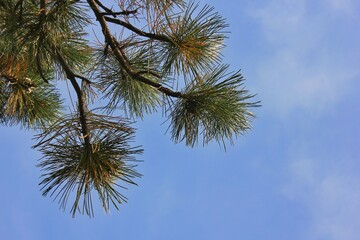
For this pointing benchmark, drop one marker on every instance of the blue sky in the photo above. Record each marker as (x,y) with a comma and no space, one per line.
(296,175)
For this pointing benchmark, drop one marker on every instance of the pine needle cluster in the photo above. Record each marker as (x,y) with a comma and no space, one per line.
(72,165)
(215,107)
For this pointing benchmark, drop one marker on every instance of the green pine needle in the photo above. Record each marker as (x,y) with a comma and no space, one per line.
(196,41)
(40,37)
(134,97)
(28,102)
(215,107)
(72,170)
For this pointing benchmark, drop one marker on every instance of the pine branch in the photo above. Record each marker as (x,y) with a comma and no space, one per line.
(129,26)
(106,9)
(124,13)
(120,56)
(81,98)
(84,151)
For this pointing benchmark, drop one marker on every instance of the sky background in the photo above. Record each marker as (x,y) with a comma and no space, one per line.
(295,176)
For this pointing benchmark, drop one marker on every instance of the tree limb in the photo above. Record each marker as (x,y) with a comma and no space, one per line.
(126,13)
(120,56)
(154,36)
(80,95)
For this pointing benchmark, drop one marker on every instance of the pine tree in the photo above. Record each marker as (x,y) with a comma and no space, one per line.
(150,55)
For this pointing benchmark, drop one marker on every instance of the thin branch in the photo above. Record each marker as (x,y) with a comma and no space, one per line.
(43,6)
(42,17)
(120,56)
(83,78)
(125,13)
(106,9)
(19,5)
(10,79)
(81,98)
(154,36)
(150,72)
(28,83)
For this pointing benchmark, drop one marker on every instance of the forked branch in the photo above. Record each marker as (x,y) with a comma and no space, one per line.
(120,56)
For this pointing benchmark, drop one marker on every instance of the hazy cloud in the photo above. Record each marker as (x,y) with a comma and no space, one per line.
(347,7)
(332,198)
(311,66)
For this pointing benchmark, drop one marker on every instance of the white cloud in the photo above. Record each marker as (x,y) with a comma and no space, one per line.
(338,214)
(342,6)
(281,19)
(307,67)
(332,198)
